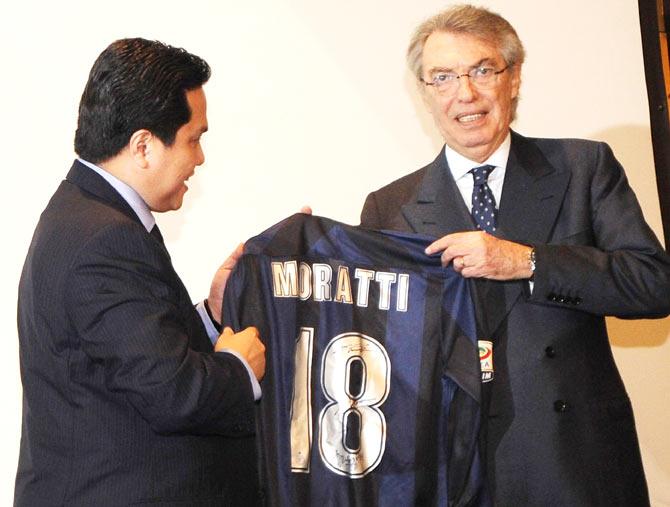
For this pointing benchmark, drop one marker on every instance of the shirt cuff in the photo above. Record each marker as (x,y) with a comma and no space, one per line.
(209,325)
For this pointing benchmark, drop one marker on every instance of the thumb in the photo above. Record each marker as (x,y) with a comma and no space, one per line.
(222,340)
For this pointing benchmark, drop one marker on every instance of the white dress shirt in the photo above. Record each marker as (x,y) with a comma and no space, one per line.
(460,168)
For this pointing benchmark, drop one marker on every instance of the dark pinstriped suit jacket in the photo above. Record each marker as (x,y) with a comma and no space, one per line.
(561,428)
(125,401)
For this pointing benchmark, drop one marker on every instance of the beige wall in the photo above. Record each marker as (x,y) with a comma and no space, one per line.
(310,102)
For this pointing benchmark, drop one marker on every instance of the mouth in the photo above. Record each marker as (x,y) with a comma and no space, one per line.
(469,118)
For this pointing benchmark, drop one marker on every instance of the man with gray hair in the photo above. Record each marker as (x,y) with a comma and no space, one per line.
(554,240)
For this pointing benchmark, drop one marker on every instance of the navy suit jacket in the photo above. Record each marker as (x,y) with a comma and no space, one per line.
(125,401)
(560,424)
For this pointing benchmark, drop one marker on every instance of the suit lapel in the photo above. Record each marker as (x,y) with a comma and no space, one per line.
(532,194)
(439,208)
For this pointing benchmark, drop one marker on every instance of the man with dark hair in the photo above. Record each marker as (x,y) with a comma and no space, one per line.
(554,240)
(113,106)
(131,394)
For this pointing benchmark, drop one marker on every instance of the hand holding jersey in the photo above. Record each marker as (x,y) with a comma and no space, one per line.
(247,343)
(477,254)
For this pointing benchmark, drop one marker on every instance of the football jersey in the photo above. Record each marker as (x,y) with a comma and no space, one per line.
(372,388)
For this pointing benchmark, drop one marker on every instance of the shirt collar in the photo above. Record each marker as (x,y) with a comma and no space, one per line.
(460,165)
(129,195)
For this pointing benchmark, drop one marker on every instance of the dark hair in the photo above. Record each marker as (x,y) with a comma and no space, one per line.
(135,84)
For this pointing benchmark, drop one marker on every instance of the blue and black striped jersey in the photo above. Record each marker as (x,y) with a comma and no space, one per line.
(373,385)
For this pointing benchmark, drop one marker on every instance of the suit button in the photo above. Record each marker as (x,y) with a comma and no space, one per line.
(551,296)
(577,301)
(550,351)
(560,406)
(560,299)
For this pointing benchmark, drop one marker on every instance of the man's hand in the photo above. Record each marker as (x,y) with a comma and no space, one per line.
(246,343)
(480,255)
(215,298)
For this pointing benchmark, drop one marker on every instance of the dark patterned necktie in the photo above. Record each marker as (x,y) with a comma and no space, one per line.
(483,203)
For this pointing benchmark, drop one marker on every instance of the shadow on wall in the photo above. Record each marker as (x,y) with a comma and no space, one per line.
(638,333)
(632,147)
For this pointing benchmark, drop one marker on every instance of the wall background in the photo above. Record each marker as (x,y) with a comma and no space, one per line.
(310,103)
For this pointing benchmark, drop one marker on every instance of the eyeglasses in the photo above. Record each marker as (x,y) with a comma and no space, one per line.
(480,77)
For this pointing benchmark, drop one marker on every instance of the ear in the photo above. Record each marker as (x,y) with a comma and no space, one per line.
(141,147)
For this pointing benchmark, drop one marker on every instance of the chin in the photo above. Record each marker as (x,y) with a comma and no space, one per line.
(480,139)
(473,144)
(168,206)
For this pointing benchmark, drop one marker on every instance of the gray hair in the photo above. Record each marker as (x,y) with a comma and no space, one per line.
(467,19)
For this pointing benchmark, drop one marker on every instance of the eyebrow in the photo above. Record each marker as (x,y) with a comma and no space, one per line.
(473,66)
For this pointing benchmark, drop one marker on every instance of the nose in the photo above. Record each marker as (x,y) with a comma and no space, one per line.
(465,92)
